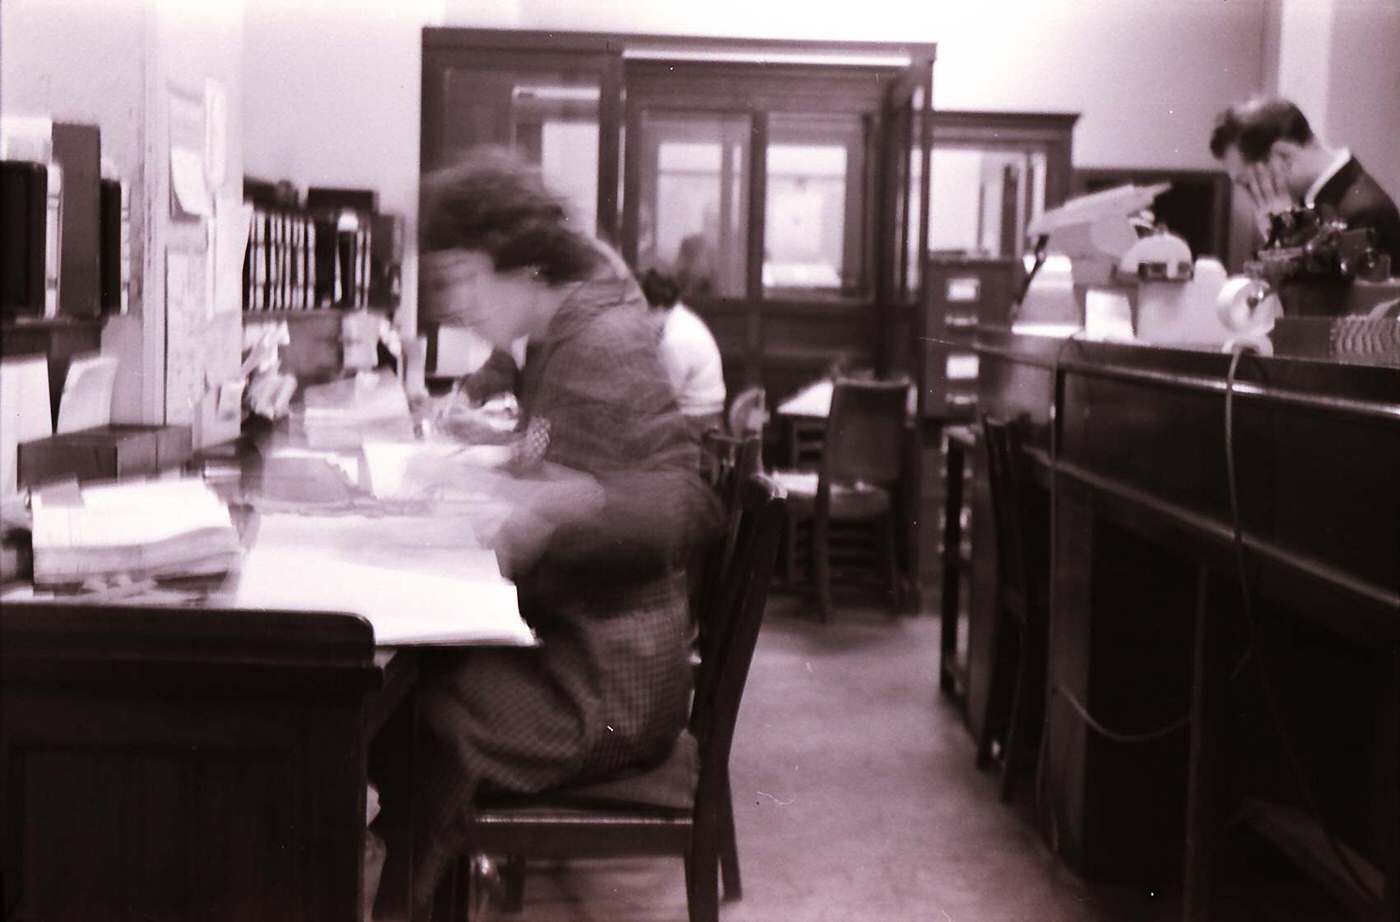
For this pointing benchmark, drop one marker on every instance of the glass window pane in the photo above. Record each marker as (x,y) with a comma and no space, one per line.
(550,117)
(693,210)
(913,261)
(812,229)
(982,198)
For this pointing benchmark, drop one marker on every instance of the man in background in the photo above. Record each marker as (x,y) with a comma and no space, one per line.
(1269,150)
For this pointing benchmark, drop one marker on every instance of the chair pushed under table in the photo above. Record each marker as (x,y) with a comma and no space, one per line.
(861,463)
(1015,700)
(681,807)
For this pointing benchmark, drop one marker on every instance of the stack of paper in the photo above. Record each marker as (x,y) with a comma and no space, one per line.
(345,413)
(416,580)
(87,393)
(389,466)
(153,529)
(25,412)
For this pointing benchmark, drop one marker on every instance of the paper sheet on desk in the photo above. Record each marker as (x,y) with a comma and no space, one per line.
(386,463)
(416,580)
(87,393)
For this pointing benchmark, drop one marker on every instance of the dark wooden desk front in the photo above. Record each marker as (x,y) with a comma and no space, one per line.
(191,762)
(1147,617)
(169,763)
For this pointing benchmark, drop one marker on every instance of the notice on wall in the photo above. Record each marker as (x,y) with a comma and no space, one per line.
(215,132)
(232,221)
(185,322)
(189,192)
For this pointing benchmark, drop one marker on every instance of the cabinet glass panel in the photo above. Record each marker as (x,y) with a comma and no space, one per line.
(982,198)
(812,231)
(694,200)
(549,117)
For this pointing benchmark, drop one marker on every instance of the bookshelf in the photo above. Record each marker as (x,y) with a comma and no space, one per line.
(330,249)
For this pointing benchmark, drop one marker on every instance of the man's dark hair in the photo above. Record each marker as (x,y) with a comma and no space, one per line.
(493,202)
(660,288)
(1254,126)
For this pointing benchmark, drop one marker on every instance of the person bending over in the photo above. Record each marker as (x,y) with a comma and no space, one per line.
(1269,150)
(605,502)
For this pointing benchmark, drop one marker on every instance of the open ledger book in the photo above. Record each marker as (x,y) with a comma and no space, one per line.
(416,580)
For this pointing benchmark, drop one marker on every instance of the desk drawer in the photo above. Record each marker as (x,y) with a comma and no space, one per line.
(950,379)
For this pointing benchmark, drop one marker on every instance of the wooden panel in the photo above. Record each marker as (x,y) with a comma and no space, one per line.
(162,765)
(1142,509)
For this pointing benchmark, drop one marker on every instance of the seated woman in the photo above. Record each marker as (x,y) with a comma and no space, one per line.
(606,505)
(688,353)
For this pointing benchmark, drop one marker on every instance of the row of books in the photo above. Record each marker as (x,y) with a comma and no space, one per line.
(66,228)
(299,260)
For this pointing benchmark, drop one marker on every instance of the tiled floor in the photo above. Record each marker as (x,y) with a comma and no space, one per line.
(856,798)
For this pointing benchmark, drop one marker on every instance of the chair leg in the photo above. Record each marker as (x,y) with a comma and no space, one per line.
(889,559)
(702,871)
(994,707)
(729,851)
(452,896)
(513,877)
(821,568)
(1011,751)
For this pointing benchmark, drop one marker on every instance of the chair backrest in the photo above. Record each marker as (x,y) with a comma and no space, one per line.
(865,431)
(727,462)
(1004,481)
(747,412)
(735,617)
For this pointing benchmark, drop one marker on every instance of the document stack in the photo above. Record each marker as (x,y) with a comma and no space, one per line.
(346,413)
(161,529)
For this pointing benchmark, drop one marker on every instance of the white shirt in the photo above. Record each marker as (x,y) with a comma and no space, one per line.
(1339,161)
(691,359)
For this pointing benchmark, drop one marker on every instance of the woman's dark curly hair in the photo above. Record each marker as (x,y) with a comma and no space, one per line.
(493,202)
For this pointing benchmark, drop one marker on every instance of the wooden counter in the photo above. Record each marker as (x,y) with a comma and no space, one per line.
(1148,624)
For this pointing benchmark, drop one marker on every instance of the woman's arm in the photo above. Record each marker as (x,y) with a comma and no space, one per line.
(607,410)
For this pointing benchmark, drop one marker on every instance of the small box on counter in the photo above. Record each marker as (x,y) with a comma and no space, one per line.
(103,453)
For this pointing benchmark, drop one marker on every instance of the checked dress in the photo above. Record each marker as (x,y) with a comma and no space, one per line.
(608,686)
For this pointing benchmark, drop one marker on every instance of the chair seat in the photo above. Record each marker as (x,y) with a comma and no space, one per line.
(848,501)
(669,786)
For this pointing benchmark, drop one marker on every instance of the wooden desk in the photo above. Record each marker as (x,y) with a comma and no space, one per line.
(162,763)
(189,762)
(1147,618)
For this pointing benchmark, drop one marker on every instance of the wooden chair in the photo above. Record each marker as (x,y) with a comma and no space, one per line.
(681,807)
(1015,698)
(862,460)
(747,412)
(728,462)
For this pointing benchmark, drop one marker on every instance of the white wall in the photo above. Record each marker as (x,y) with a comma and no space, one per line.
(332,88)
(52,53)
(1305,56)
(331,98)
(1363,104)
(1147,75)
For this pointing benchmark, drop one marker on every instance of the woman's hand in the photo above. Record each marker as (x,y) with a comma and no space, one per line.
(469,424)
(539,507)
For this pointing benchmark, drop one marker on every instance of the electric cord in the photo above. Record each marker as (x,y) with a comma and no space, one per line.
(1246,607)
(1116,736)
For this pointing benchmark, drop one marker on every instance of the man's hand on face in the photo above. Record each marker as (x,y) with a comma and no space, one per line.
(1268,190)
